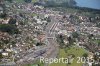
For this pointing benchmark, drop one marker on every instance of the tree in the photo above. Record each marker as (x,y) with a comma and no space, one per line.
(12,21)
(98,25)
(51,3)
(61,39)
(3,15)
(70,40)
(9,0)
(99,43)
(11,29)
(1,56)
(28,1)
(48,19)
(90,36)
(75,35)
(38,44)
(85,55)
(61,3)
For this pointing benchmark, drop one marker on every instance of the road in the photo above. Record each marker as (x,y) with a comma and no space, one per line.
(50,33)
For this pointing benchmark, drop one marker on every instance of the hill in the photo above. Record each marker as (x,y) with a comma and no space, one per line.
(51,3)
(48,2)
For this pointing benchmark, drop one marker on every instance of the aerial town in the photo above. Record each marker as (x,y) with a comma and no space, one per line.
(29,31)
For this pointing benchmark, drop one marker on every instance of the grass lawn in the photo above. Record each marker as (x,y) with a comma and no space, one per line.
(78,52)
(61,54)
(35,64)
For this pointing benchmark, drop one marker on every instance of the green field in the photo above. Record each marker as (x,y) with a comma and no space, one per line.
(37,63)
(78,52)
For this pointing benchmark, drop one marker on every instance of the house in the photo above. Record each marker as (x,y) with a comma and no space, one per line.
(41,37)
(39,7)
(8,50)
(91,55)
(90,64)
(4,21)
(4,36)
(1,50)
(5,53)
(64,32)
(39,21)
